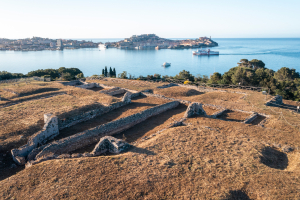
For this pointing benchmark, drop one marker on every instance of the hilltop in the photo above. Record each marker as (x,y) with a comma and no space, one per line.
(146,41)
(218,153)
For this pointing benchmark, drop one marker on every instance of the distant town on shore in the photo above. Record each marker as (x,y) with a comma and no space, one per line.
(144,41)
(152,41)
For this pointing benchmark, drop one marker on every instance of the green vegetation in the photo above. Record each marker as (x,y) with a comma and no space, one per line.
(284,82)
(110,73)
(4,75)
(65,73)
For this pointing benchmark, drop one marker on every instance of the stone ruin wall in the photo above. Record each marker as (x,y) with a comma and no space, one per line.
(275,101)
(87,137)
(49,131)
(89,115)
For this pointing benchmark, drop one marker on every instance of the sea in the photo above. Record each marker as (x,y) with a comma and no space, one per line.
(274,52)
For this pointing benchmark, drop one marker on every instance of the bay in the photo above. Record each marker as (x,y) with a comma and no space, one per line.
(274,52)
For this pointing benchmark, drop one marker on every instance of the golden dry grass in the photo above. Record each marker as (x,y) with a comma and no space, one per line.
(185,162)
(26,118)
(129,84)
(208,159)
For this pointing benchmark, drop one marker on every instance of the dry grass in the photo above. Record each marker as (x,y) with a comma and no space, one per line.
(208,159)
(129,84)
(185,162)
(26,118)
(176,92)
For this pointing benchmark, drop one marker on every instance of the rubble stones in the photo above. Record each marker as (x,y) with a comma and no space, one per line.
(110,144)
(194,109)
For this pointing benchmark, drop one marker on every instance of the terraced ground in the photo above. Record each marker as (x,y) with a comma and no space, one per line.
(204,159)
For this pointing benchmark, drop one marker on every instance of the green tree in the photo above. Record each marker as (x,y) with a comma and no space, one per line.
(286,74)
(185,75)
(110,72)
(80,76)
(105,71)
(123,75)
(114,72)
(255,64)
(215,78)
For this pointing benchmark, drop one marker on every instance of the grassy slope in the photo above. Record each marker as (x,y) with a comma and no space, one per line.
(205,160)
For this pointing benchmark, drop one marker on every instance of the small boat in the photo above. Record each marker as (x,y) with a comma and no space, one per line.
(208,52)
(166,64)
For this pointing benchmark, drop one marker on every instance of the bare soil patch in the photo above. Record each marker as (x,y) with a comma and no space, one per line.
(231,115)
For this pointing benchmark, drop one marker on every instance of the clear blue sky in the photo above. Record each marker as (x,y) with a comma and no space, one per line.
(166,18)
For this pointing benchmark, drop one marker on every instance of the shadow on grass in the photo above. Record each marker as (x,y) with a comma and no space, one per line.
(97,121)
(139,130)
(274,158)
(227,115)
(40,90)
(237,195)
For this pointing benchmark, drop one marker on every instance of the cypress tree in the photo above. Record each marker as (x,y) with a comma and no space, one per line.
(114,73)
(110,72)
(102,71)
(105,71)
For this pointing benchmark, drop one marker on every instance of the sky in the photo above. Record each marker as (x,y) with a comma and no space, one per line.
(165,18)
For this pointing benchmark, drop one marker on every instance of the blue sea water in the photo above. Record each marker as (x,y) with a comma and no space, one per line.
(274,52)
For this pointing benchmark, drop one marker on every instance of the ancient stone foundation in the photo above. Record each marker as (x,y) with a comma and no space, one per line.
(252,117)
(49,131)
(87,137)
(275,101)
(94,113)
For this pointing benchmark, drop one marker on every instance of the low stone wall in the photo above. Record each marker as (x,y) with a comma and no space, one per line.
(49,131)
(87,137)
(88,85)
(275,101)
(194,109)
(89,115)
(218,113)
(120,91)
(249,119)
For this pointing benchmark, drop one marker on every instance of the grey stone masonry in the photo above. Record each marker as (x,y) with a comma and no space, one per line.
(194,109)
(127,97)
(110,144)
(275,101)
(49,131)
(89,115)
(218,113)
(87,137)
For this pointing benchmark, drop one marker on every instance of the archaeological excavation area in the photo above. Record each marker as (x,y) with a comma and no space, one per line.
(111,138)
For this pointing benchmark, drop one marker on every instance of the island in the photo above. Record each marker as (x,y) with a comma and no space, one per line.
(152,41)
(39,44)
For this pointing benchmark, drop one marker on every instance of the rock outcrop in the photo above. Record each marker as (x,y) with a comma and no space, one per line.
(194,109)
(111,145)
